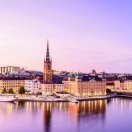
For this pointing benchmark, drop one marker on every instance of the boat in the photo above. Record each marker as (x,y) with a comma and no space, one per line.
(72,100)
(4,98)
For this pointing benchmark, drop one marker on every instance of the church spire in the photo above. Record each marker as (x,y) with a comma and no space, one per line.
(47,75)
(47,52)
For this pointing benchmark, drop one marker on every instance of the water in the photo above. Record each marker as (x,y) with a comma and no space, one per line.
(91,116)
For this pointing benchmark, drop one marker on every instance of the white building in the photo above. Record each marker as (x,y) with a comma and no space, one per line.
(9,69)
(32,86)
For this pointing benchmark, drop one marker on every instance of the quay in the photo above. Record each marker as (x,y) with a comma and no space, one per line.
(72,99)
(65,97)
(125,96)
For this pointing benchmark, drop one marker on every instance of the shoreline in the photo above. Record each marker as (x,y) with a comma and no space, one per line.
(62,100)
(97,98)
(75,99)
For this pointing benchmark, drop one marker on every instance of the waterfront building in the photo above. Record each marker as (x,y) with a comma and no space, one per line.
(85,86)
(49,86)
(128,85)
(9,69)
(8,84)
(122,85)
(32,86)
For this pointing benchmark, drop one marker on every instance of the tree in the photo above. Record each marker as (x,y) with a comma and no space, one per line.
(108,91)
(21,90)
(4,91)
(11,91)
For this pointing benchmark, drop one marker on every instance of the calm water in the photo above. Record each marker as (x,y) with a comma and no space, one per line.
(92,116)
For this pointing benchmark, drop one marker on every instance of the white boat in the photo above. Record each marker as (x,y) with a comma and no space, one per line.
(4,98)
(72,100)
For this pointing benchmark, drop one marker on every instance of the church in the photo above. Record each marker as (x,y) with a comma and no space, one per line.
(48,85)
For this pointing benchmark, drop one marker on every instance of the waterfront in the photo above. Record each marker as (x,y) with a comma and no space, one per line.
(93,116)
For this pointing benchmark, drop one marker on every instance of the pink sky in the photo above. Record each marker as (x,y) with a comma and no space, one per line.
(83,36)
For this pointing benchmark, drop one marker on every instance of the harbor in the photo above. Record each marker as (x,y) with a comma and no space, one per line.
(51,98)
(58,97)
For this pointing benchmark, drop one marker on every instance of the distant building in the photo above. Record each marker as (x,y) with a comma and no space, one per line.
(32,86)
(94,73)
(9,69)
(58,73)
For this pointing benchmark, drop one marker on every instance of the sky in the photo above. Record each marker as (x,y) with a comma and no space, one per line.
(83,34)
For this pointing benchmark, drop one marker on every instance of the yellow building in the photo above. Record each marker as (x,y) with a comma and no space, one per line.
(51,88)
(128,85)
(84,87)
(14,84)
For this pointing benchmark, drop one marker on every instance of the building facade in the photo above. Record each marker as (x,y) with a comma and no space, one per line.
(32,86)
(82,88)
(110,85)
(127,85)
(117,84)
(8,84)
(48,89)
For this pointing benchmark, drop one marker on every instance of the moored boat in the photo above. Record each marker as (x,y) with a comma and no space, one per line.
(5,98)
(72,100)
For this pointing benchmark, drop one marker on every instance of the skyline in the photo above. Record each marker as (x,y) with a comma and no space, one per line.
(83,36)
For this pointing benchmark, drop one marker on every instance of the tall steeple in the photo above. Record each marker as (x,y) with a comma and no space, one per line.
(47,76)
(47,52)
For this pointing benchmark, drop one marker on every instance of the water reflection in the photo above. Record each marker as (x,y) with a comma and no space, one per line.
(75,112)
(47,117)
(58,117)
